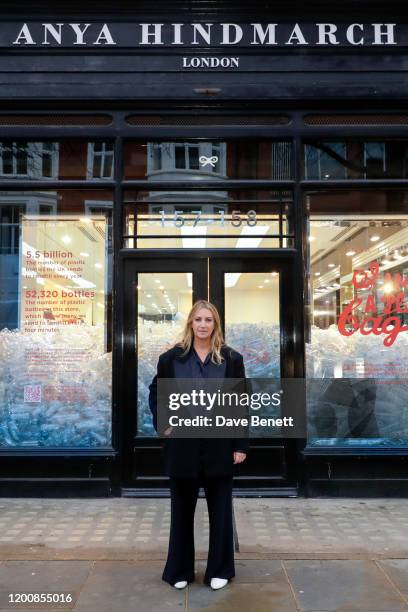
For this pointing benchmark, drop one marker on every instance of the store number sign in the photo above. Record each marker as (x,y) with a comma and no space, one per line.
(179,218)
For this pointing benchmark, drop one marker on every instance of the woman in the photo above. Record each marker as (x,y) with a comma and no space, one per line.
(201,353)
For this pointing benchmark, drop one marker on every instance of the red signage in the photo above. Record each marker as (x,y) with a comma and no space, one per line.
(386,323)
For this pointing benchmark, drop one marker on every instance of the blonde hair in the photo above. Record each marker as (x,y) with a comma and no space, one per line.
(217,337)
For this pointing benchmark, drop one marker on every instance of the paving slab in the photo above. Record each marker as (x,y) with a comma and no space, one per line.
(131,529)
(257,586)
(342,585)
(397,572)
(322,526)
(241,597)
(54,577)
(129,587)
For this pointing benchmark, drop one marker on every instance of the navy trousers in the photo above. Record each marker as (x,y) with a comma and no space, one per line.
(180,559)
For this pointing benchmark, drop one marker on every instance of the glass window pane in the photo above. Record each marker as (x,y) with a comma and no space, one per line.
(67,159)
(234,159)
(358,319)
(356,159)
(180,156)
(163,303)
(21,157)
(182,220)
(252,321)
(55,319)
(7,157)
(193,157)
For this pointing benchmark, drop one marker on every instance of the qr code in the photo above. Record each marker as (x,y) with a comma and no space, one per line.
(32,393)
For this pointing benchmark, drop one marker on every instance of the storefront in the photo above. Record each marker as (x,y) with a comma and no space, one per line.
(252,157)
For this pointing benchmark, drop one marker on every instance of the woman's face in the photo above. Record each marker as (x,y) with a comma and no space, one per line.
(203,324)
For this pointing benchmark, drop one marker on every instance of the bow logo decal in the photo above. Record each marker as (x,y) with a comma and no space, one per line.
(208,161)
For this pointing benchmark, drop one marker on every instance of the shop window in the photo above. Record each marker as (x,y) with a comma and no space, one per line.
(374,159)
(357,335)
(33,160)
(55,318)
(208,219)
(325,162)
(245,159)
(14,159)
(100,160)
(191,156)
(9,224)
(356,159)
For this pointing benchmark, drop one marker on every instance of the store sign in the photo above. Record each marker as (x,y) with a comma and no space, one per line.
(388,323)
(194,35)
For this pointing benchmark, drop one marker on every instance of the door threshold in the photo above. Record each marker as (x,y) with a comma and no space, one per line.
(161,492)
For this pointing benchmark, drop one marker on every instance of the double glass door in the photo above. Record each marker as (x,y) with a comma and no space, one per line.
(253,294)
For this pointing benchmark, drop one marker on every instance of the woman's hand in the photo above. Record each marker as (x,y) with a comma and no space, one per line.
(239,457)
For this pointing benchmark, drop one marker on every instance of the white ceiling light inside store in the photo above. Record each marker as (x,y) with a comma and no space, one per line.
(193,243)
(251,243)
(231,279)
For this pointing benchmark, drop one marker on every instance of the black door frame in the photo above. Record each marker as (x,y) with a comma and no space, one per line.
(146,451)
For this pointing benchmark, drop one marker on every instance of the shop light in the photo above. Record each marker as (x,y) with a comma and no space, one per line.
(66,239)
(231,279)
(251,243)
(388,288)
(148,295)
(266,280)
(274,274)
(350,253)
(83,254)
(374,238)
(311,238)
(98,265)
(161,287)
(138,287)
(157,280)
(317,273)
(193,243)
(260,286)
(40,280)
(332,265)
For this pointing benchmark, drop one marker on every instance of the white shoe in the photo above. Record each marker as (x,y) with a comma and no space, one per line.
(218,583)
(181,584)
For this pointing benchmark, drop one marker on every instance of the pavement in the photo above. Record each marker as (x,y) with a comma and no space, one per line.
(107,555)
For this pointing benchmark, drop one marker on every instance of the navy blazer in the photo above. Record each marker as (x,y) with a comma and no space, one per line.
(182,455)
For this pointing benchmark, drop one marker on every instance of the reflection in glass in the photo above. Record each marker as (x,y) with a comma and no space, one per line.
(163,303)
(67,159)
(208,160)
(359,259)
(55,320)
(252,327)
(356,159)
(252,324)
(186,220)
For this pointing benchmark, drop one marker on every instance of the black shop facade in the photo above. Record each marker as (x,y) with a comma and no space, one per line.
(252,155)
